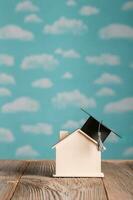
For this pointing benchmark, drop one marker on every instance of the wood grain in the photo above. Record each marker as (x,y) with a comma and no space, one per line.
(118,179)
(32,180)
(10,173)
(38,183)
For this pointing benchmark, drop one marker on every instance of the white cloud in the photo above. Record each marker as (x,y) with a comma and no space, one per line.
(107,78)
(116,31)
(42,83)
(45,61)
(66,25)
(127,6)
(26,151)
(74,98)
(16,33)
(39,128)
(21,104)
(103,59)
(105,91)
(6,59)
(67,75)
(6,79)
(89,10)
(128,151)
(33,18)
(67,53)
(123,105)
(6,135)
(72,124)
(112,138)
(71,2)
(26,6)
(5,92)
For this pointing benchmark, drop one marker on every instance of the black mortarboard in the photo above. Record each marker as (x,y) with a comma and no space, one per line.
(91,129)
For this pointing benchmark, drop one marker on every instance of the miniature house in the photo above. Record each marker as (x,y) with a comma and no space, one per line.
(77,154)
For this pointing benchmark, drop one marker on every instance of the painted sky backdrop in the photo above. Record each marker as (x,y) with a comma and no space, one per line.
(58,56)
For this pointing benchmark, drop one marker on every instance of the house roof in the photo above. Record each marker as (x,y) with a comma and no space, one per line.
(90,130)
(81,132)
(91,127)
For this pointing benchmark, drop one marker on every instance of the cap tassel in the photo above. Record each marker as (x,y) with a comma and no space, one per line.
(100,144)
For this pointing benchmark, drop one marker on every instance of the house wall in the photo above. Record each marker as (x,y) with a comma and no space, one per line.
(77,156)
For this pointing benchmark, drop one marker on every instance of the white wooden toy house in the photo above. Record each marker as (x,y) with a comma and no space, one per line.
(79,154)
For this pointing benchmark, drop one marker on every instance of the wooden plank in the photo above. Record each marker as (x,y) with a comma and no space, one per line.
(118,179)
(10,173)
(38,184)
(82,188)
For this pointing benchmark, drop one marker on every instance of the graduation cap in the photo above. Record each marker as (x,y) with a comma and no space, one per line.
(92,129)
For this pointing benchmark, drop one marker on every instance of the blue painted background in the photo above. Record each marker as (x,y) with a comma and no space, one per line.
(58,56)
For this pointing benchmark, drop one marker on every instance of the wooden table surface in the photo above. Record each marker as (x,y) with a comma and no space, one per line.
(32,180)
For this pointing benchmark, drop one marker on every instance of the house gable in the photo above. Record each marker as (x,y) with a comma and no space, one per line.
(77,131)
